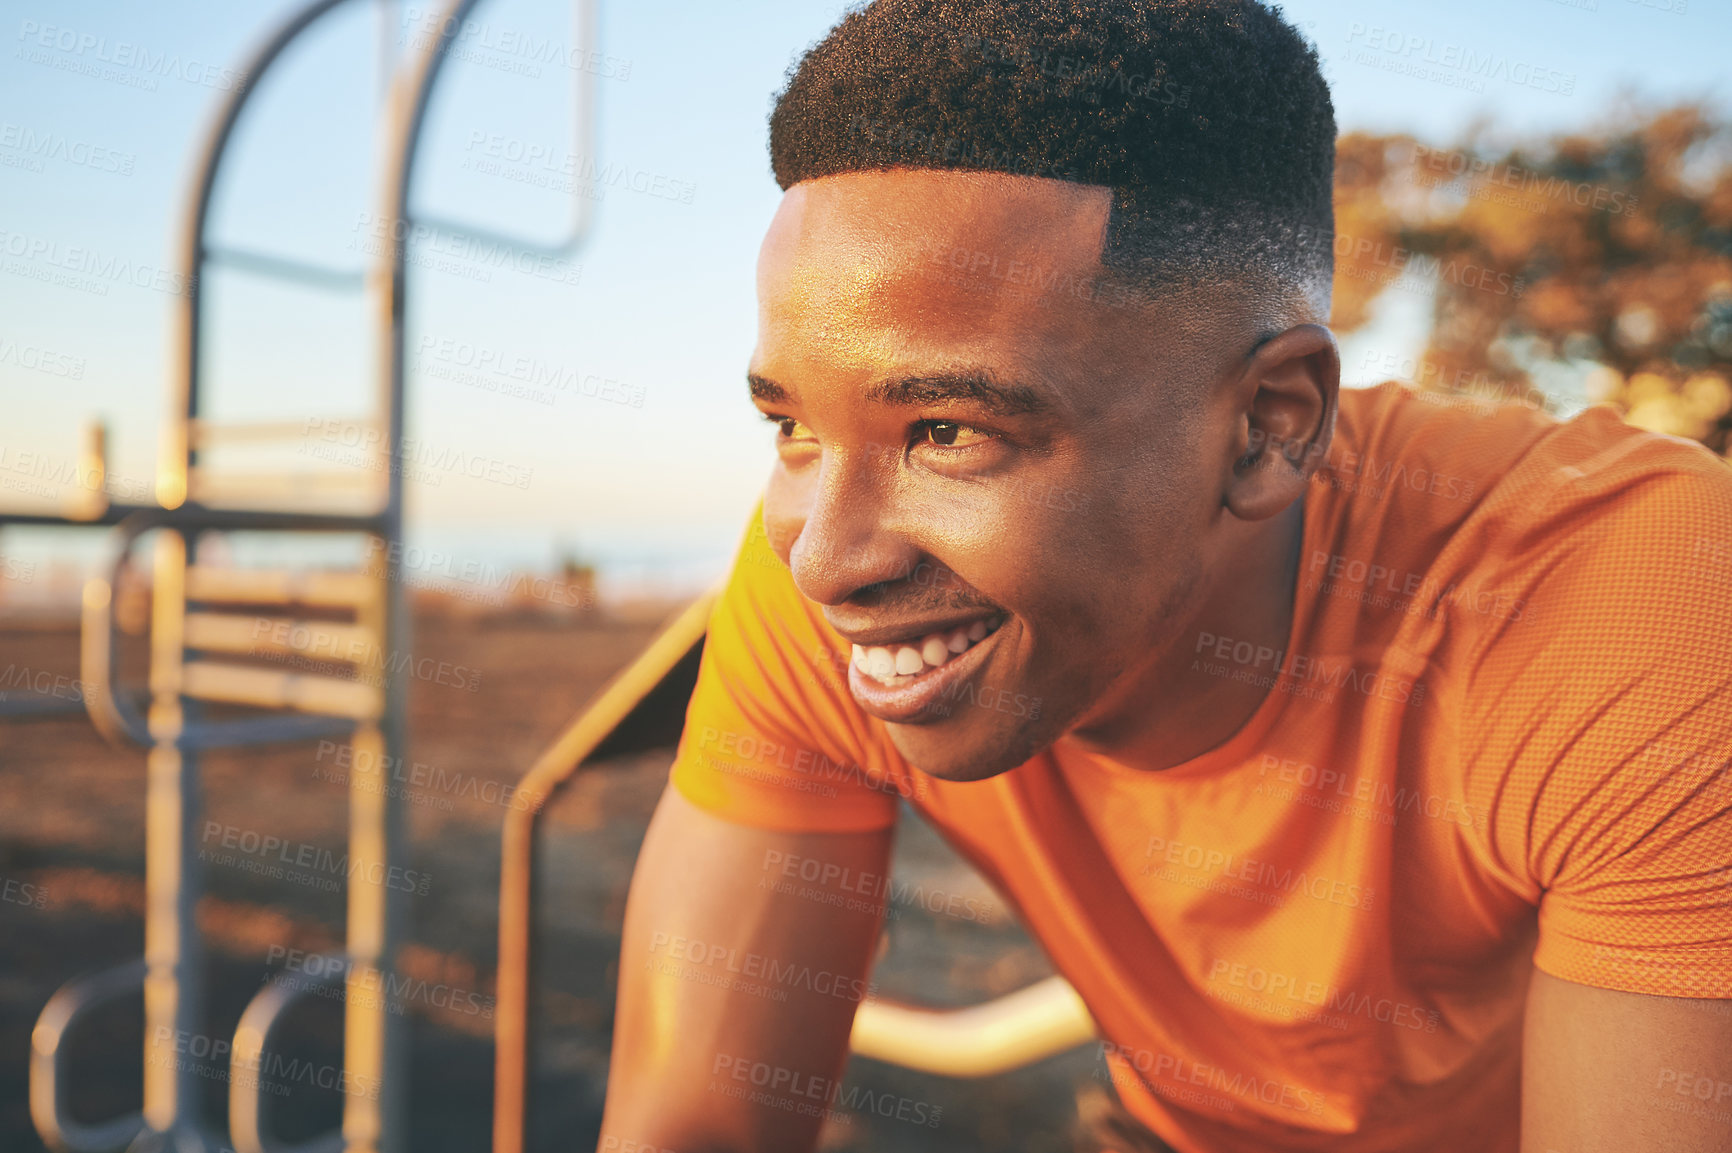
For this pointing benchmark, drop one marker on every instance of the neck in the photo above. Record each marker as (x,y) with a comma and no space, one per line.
(1195,694)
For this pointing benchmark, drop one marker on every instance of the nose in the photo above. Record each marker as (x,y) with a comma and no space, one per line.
(834,526)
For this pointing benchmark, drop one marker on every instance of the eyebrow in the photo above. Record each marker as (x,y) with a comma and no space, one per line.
(975,386)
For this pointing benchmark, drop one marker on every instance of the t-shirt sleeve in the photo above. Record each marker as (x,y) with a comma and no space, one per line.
(1598,729)
(772,737)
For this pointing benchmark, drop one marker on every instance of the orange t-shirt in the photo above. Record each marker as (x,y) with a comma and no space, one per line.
(1500,736)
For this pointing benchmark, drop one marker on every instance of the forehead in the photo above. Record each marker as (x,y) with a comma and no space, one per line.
(863,268)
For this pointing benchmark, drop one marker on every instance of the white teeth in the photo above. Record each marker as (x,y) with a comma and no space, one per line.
(934,650)
(880,663)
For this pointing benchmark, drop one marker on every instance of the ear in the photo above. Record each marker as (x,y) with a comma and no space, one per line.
(1285,402)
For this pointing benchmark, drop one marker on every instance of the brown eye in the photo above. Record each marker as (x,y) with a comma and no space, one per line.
(949,434)
(787,428)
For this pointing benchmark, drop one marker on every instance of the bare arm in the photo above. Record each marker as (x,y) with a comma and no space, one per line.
(1611,1072)
(736,999)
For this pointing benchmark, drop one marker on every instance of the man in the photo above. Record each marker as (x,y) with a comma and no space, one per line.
(1362,762)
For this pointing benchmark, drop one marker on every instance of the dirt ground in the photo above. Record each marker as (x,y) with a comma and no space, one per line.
(72,857)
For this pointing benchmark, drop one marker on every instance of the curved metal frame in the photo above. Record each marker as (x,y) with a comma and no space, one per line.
(248,1061)
(48,1057)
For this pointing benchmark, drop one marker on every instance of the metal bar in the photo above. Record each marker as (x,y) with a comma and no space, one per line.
(375,1039)
(173,981)
(583,20)
(285,268)
(269,689)
(268,586)
(317,640)
(248,1063)
(202,432)
(48,1080)
(1008,1032)
(317,491)
(31,705)
(112,714)
(265,731)
(110,516)
(177,456)
(551,770)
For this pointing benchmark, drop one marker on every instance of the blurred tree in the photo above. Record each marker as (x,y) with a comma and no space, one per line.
(1598,263)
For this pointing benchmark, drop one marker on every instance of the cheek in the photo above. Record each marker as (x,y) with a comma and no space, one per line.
(785,504)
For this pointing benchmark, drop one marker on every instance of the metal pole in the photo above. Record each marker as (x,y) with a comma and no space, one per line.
(375,1038)
(173,981)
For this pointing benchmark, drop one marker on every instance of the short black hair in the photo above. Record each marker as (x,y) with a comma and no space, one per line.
(1209,119)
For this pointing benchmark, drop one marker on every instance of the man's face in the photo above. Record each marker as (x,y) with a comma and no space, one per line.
(976,436)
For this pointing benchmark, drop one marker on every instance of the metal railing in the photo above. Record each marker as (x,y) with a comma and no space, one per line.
(643,706)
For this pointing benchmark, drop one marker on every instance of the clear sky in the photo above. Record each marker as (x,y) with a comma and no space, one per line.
(649,456)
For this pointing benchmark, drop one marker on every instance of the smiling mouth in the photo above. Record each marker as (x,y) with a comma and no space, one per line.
(903,662)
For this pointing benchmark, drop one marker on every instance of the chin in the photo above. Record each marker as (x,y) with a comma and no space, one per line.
(952,753)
